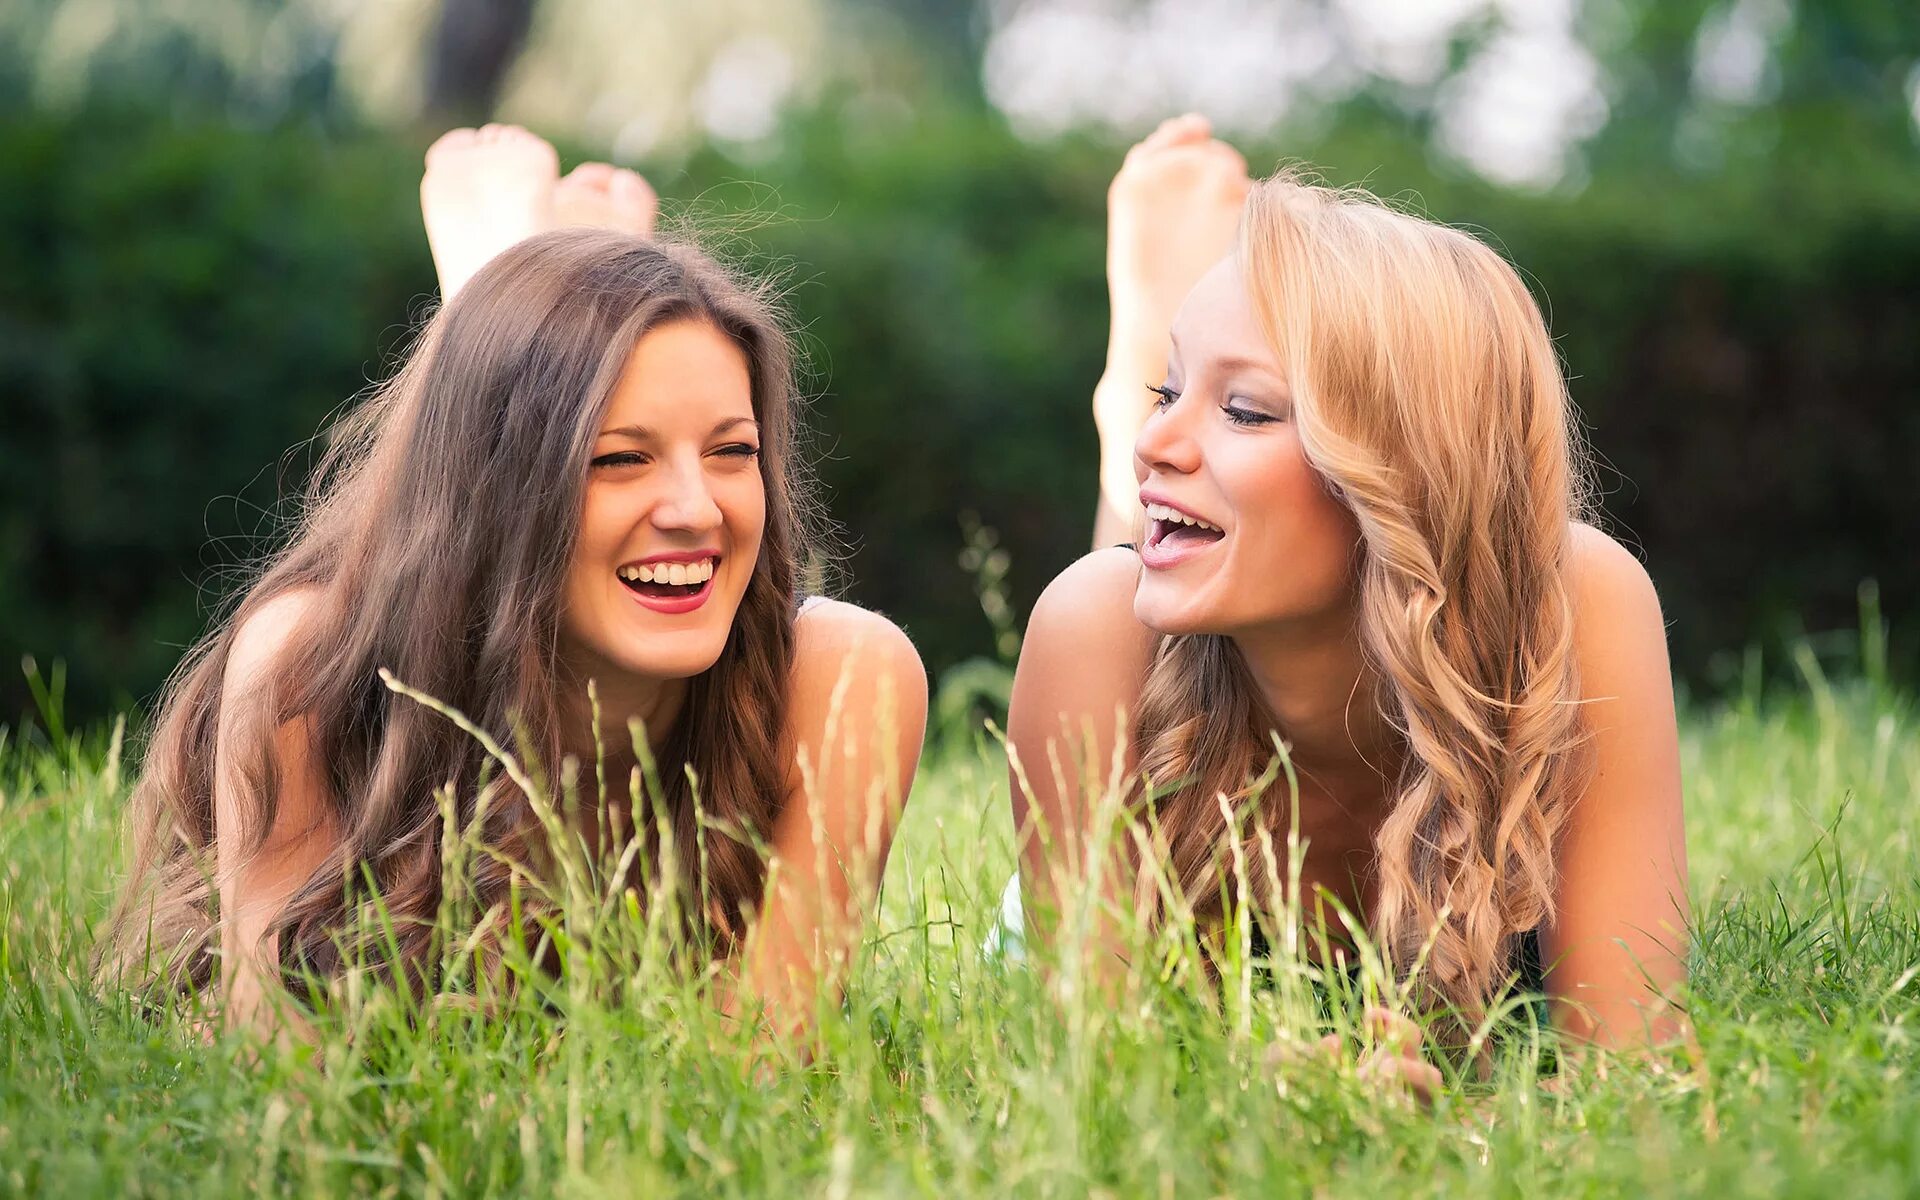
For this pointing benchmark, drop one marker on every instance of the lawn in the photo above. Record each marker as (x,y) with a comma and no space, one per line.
(949,1073)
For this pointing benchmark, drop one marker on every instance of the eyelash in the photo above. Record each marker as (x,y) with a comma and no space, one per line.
(632,458)
(1239,416)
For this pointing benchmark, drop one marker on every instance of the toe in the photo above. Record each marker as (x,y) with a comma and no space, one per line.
(451,142)
(631,189)
(596,175)
(1187,127)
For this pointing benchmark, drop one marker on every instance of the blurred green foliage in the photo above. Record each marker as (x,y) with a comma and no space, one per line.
(180,305)
(182,302)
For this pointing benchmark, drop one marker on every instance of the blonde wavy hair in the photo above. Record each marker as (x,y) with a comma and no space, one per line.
(1427,393)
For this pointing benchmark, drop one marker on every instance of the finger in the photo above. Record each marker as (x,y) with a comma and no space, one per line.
(1290,1052)
(1394,1032)
(1420,1080)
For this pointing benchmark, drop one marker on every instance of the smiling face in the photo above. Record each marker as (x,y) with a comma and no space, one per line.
(674,514)
(1242,532)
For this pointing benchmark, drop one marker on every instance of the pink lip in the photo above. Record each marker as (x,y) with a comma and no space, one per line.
(1159,556)
(1147,498)
(673,556)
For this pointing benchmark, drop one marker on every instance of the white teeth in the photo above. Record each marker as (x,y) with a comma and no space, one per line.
(1162,512)
(677,574)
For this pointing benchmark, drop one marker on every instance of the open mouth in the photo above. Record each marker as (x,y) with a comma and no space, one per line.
(668,582)
(1169,528)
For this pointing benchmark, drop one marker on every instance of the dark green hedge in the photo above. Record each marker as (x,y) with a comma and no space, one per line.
(182,305)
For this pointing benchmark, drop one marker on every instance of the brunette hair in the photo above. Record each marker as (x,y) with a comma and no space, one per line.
(434,542)
(1427,394)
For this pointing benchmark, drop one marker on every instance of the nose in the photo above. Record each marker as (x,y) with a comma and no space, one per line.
(1166,443)
(687,504)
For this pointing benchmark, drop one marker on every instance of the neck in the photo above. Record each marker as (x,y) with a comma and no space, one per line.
(624,698)
(1315,678)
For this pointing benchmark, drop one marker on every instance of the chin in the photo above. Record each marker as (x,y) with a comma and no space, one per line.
(671,663)
(1166,613)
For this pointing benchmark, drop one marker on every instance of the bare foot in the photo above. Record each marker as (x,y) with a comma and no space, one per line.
(1173,211)
(602,196)
(484,189)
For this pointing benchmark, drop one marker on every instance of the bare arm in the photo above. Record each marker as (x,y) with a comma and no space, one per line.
(858,713)
(255,886)
(1082,664)
(1617,949)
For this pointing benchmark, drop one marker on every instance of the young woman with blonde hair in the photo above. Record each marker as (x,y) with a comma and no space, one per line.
(1362,522)
(585,474)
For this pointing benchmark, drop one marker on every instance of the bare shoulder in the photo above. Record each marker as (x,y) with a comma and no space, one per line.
(297,833)
(1603,569)
(264,634)
(1617,621)
(1085,655)
(829,632)
(857,712)
(857,660)
(1091,604)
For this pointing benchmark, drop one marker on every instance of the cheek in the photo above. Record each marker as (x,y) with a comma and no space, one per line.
(603,522)
(745,509)
(599,526)
(1305,535)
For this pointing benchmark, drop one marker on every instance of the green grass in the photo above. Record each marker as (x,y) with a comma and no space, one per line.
(947,1074)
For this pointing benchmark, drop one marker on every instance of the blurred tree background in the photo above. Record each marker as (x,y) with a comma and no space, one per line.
(211,241)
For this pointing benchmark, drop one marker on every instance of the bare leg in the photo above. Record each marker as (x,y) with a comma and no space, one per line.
(484,189)
(1172,212)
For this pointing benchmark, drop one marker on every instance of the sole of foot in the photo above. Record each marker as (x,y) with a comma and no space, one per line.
(483,190)
(599,195)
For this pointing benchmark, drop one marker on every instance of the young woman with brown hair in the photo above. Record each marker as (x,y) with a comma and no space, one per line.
(1362,519)
(584,473)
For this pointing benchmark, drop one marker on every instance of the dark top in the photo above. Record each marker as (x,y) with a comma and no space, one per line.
(1526,959)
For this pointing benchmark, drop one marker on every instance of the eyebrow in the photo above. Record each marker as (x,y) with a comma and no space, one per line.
(640,433)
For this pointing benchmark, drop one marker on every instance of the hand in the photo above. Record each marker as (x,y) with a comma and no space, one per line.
(1173,211)
(1392,1064)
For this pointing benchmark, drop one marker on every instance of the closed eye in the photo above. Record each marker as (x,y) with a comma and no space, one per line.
(620,458)
(1246,416)
(739,450)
